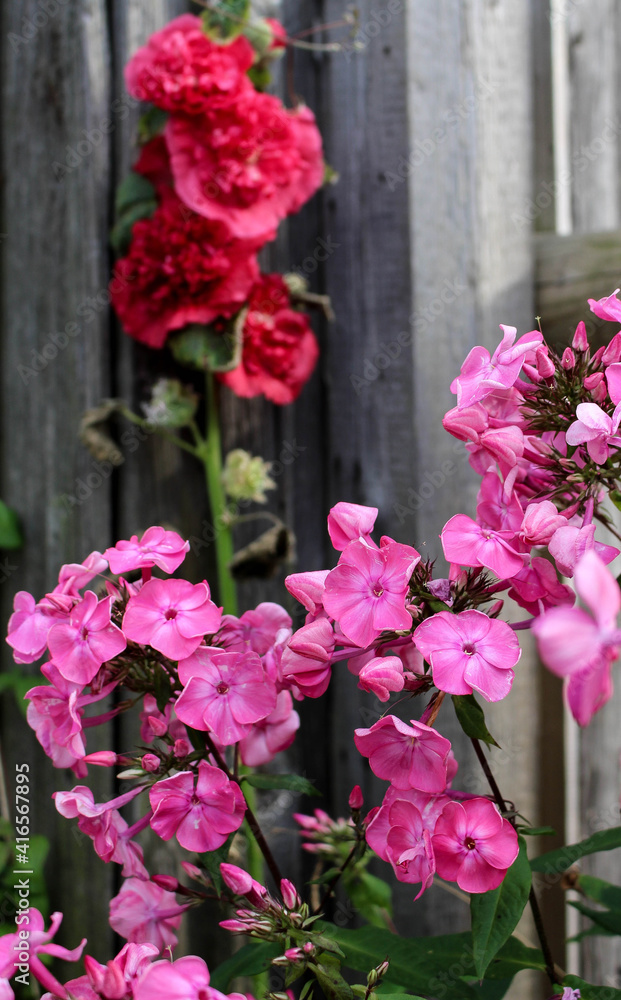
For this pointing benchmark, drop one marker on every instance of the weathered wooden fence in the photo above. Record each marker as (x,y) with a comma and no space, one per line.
(443,133)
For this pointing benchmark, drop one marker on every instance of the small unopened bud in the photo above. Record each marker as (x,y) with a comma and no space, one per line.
(294,954)
(382,968)
(159,726)
(290,895)
(182,748)
(192,870)
(495,609)
(150,762)
(531,372)
(592,381)
(545,365)
(580,341)
(600,393)
(309,948)
(167,882)
(356,799)
(372,978)
(568,360)
(296,284)
(238,881)
(102,758)
(113,986)
(612,353)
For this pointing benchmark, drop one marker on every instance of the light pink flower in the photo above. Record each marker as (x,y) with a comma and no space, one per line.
(608,307)
(103,823)
(74,576)
(596,429)
(413,756)
(80,645)
(256,630)
(382,675)
(307,656)
(185,979)
(537,587)
(349,521)
(157,547)
(540,522)
(570,542)
(308,589)
(271,735)
(39,943)
(117,978)
(473,845)
(145,914)
(200,817)
(224,693)
(173,616)
(30,623)
(469,652)
(467,543)
(481,375)
(409,845)
(367,590)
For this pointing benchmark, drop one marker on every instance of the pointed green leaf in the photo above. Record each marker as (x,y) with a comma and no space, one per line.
(215,348)
(600,891)
(495,914)
(151,123)
(225,19)
(135,200)
(10,531)
(371,896)
(555,862)
(471,718)
(251,960)
(292,782)
(589,992)
(610,920)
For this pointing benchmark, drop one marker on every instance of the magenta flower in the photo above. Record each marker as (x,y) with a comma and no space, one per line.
(469,652)
(409,845)
(413,756)
(569,543)
(382,675)
(39,943)
(307,656)
(224,693)
(473,845)
(481,375)
(308,589)
(30,623)
(607,308)
(185,979)
(201,818)
(145,914)
(596,429)
(117,978)
(80,646)
(540,522)
(173,616)
(467,543)
(258,630)
(367,590)
(349,521)
(537,587)
(157,547)
(74,576)
(271,735)
(103,823)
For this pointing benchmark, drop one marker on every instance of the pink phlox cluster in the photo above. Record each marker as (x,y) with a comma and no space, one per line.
(482,374)
(172,616)
(32,930)
(87,639)
(185,979)
(116,979)
(143,913)
(272,735)
(102,822)
(202,813)
(409,756)
(157,547)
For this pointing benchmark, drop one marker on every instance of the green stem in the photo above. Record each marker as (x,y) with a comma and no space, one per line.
(210,453)
(162,431)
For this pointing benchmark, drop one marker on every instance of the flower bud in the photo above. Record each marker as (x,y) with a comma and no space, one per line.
(592,381)
(545,365)
(102,758)
(356,800)
(150,762)
(159,727)
(238,881)
(114,986)
(192,870)
(294,954)
(580,341)
(171,405)
(182,748)
(568,360)
(289,894)
(612,353)
(167,882)
(245,477)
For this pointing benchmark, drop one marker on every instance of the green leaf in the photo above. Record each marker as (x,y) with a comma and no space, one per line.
(151,123)
(225,19)
(600,891)
(10,531)
(615,496)
(215,348)
(555,862)
(135,199)
(396,996)
(536,831)
(472,719)
(495,914)
(610,920)
(589,992)
(292,782)
(250,960)
(371,896)
(328,975)
(19,684)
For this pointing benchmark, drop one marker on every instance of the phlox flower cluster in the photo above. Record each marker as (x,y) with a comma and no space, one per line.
(228,164)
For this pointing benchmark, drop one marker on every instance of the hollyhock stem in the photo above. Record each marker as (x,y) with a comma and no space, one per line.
(532,898)
(210,453)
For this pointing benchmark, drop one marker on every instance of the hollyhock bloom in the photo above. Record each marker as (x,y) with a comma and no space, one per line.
(382,675)
(579,646)
(607,308)
(185,979)
(469,652)
(181,69)
(256,630)
(308,589)
(30,623)
(145,914)
(74,576)
(279,350)
(39,943)
(247,164)
(180,269)
(349,521)
(157,547)
(118,977)
(537,587)
(540,522)
(172,616)
(272,734)
(467,543)
(569,543)
(224,692)
(80,645)
(473,845)
(307,656)
(481,374)
(595,429)
(413,756)
(367,590)
(200,817)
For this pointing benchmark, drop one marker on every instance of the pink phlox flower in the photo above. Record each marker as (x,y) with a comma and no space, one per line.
(409,846)
(540,522)
(73,577)
(30,623)
(467,543)
(596,429)
(467,423)
(504,406)
(80,645)
(271,735)
(39,943)
(200,817)
(116,979)
(256,630)
(611,354)
(608,307)
(413,756)
(350,521)
(580,646)
(185,979)
(481,374)
(272,662)
(102,822)
(242,884)
(378,821)
(473,845)
(155,723)
(143,913)
(307,656)
(570,542)
(367,590)
(502,446)
(469,652)
(224,692)
(308,589)
(172,616)
(157,547)
(382,675)
(537,587)
(495,510)
(613,380)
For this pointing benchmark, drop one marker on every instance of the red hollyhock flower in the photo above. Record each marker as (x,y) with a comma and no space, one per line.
(181,69)
(279,348)
(154,164)
(249,163)
(180,269)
